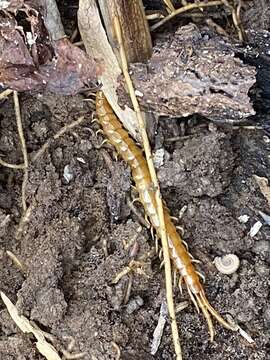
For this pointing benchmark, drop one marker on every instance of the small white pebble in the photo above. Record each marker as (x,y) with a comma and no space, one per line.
(138,93)
(4,4)
(68,174)
(227,264)
(246,335)
(182,211)
(243,219)
(81,160)
(255,229)
(158,158)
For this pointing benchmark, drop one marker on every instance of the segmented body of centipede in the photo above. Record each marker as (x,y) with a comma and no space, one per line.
(133,155)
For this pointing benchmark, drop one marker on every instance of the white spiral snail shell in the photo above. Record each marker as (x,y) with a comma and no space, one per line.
(227,264)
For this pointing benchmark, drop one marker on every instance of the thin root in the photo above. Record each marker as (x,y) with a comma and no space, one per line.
(117,349)
(18,263)
(23,146)
(133,266)
(61,132)
(11,166)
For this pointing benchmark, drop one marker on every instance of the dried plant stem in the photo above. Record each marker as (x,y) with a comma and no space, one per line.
(147,149)
(236,18)
(63,130)
(185,8)
(11,166)
(169,5)
(5,93)
(23,145)
(45,146)
(18,263)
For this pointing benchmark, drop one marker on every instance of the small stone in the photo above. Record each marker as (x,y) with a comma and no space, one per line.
(68,174)
(262,270)
(134,304)
(243,219)
(261,247)
(255,229)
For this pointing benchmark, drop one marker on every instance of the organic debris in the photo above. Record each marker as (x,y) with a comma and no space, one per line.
(255,228)
(45,348)
(264,187)
(30,60)
(194,72)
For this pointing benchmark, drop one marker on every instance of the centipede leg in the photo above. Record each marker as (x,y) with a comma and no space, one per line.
(207,316)
(180,284)
(99,131)
(215,314)
(193,299)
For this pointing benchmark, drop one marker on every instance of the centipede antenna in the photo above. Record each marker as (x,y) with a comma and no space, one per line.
(160,254)
(204,309)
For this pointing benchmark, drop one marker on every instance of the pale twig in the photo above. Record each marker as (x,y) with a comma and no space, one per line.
(219,29)
(62,131)
(23,145)
(18,263)
(11,166)
(185,8)
(24,220)
(117,349)
(4,94)
(236,18)
(154,16)
(147,149)
(45,146)
(169,5)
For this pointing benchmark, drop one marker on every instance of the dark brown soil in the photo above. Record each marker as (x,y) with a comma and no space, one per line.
(80,235)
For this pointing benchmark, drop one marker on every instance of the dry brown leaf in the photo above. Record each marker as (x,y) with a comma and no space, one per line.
(29,60)
(46,349)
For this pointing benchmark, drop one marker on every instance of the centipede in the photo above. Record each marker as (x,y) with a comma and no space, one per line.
(182,260)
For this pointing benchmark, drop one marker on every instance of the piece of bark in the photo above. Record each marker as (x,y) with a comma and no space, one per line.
(135,30)
(194,72)
(256,15)
(98,46)
(53,21)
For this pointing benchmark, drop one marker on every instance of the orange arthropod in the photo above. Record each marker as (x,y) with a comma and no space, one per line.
(133,155)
